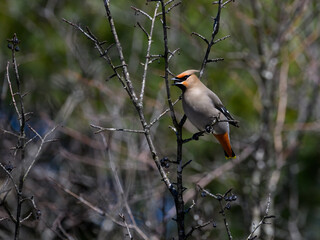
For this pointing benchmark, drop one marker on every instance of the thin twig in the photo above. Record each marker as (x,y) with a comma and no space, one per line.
(213,35)
(221,39)
(215,60)
(11,91)
(221,198)
(200,36)
(10,176)
(178,194)
(10,133)
(263,220)
(198,227)
(145,70)
(132,95)
(102,129)
(191,206)
(125,223)
(120,52)
(172,54)
(120,188)
(43,141)
(169,9)
(14,43)
(91,206)
(103,53)
(142,12)
(162,114)
(225,220)
(144,30)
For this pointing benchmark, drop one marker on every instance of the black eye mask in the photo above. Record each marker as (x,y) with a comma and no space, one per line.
(183,78)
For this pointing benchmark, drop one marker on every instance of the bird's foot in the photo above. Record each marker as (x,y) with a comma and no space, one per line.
(209,128)
(197,135)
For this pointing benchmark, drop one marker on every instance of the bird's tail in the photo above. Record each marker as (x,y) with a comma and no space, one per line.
(225,143)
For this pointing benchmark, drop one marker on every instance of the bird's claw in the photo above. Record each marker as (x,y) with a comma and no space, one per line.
(197,135)
(209,128)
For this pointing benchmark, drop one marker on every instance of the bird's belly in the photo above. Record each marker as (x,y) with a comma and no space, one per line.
(200,118)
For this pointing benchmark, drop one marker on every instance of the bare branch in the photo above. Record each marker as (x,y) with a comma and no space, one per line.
(170,8)
(137,10)
(35,158)
(173,53)
(94,208)
(102,129)
(103,53)
(215,60)
(221,39)
(11,91)
(200,36)
(10,133)
(142,28)
(263,220)
(26,218)
(10,176)
(163,113)
(125,223)
(198,227)
(191,206)
(223,4)
(213,35)
(147,62)
(6,208)
(121,56)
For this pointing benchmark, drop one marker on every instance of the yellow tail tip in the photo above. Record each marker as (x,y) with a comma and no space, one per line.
(230,156)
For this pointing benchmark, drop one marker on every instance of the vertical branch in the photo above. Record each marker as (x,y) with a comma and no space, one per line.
(148,55)
(215,31)
(178,195)
(14,46)
(22,140)
(119,47)
(166,63)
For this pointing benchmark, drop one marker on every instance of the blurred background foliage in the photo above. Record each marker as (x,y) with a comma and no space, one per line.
(269,80)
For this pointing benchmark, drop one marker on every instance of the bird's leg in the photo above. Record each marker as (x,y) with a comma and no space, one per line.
(194,137)
(209,128)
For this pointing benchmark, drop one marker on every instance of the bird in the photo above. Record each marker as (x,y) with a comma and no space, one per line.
(205,110)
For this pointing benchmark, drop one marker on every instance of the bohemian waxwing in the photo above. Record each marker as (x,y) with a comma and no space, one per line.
(203,107)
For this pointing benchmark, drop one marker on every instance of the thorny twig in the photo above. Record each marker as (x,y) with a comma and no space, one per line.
(125,223)
(127,85)
(93,207)
(198,227)
(14,46)
(18,104)
(43,141)
(213,35)
(178,194)
(145,70)
(102,129)
(227,197)
(120,188)
(263,220)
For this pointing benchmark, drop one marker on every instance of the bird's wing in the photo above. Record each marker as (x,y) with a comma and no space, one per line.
(218,105)
(227,114)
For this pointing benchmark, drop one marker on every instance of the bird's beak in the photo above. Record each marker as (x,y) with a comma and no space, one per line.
(176,82)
